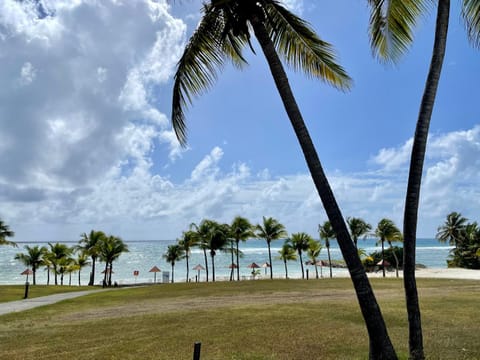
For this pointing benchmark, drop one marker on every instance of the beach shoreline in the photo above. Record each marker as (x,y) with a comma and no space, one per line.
(436,273)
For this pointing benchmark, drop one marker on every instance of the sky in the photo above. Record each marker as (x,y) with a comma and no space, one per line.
(86,140)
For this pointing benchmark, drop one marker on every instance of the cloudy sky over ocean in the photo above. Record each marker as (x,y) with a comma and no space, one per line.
(86,142)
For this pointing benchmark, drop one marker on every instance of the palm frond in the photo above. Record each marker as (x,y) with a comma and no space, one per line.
(391,26)
(471,16)
(301,48)
(197,69)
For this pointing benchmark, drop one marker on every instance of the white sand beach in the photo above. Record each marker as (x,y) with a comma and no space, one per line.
(447,273)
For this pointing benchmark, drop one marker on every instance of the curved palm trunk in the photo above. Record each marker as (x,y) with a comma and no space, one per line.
(206,263)
(286,270)
(92,274)
(270,260)
(380,344)
(329,261)
(188,267)
(105,275)
(395,257)
(301,264)
(415,179)
(238,263)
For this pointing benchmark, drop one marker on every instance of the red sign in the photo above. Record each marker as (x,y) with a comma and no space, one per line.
(135,273)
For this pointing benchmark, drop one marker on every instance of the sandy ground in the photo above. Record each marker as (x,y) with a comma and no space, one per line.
(450,273)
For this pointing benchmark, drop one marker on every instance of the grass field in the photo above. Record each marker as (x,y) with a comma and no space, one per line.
(17,292)
(280,319)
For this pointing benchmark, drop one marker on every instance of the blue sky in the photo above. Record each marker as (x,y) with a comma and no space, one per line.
(86,141)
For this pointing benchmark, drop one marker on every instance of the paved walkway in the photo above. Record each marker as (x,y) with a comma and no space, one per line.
(21,305)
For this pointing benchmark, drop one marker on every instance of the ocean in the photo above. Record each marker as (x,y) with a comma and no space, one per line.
(143,255)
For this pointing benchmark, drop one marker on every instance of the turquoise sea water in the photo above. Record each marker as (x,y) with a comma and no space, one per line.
(144,255)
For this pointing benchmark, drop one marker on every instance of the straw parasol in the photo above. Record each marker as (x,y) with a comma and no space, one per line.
(383,263)
(233,266)
(198,267)
(265,266)
(26,272)
(154,269)
(253,266)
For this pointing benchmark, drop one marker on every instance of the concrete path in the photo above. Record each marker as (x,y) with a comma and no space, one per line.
(21,305)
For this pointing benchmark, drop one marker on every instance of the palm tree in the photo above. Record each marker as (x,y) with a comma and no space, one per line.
(391,25)
(217,240)
(270,230)
(89,245)
(188,240)
(173,254)
(386,231)
(326,233)
(287,253)
(202,232)
(396,238)
(313,252)
(57,255)
(222,33)
(358,228)
(241,231)
(453,229)
(33,258)
(5,233)
(80,262)
(300,242)
(109,249)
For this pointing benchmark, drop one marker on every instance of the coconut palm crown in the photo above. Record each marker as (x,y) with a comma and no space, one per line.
(223,33)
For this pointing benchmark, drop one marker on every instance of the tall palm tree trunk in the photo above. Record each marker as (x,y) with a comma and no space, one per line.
(238,263)
(110,274)
(383,257)
(380,343)
(188,267)
(34,271)
(286,270)
(415,178)
(105,275)
(56,275)
(173,273)
(395,257)
(329,260)
(270,260)
(92,274)
(301,264)
(206,263)
(213,266)
(316,269)
(231,255)
(79,271)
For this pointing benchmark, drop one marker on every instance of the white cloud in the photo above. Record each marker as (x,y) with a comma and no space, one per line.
(88,74)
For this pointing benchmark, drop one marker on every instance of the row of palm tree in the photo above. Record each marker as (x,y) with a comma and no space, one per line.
(212,237)
(61,259)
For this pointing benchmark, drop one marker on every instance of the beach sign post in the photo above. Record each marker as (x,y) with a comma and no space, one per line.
(26,272)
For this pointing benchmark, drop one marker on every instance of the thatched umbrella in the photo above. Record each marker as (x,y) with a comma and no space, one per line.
(154,269)
(265,266)
(198,268)
(26,272)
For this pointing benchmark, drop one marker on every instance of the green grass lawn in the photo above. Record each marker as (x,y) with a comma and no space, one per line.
(265,319)
(17,292)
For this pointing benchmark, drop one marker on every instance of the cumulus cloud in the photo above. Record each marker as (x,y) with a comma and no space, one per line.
(78,80)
